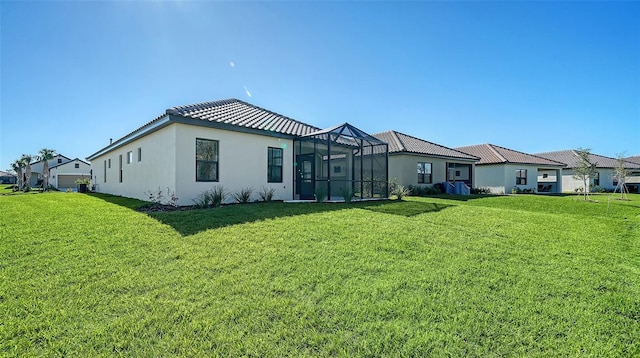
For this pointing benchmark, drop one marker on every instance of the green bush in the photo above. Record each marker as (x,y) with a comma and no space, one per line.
(266,194)
(244,195)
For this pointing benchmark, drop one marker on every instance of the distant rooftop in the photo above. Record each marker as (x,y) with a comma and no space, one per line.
(404,143)
(570,158)
(494,154)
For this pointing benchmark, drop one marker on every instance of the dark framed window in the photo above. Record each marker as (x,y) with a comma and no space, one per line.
(105,171)
(77,165)
(424,173)
(139,154)
(521,177)
(274,165)
(206,160)
(596,179)
(129,157)
(109,163)
(120,167)
(59,160)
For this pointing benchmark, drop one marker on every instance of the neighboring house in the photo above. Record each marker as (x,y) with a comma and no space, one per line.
(38,167)
(189,149)
(7,178)
(501,170)
(604,176)
(63,176)
(634,159)
(417,162)
(75,169)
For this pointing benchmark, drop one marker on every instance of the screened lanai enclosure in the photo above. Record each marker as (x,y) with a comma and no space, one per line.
(341,161)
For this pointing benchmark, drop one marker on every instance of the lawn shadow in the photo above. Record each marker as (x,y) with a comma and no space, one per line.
(408,208)
(189,222)
(193,221)
(128,203)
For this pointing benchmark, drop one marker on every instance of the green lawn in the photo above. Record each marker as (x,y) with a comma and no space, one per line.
(86,275)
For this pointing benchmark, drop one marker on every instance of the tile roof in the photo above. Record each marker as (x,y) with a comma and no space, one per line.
(570,158)
(494,154)
(634,159)
(227,114)
(242,114)
(400,142)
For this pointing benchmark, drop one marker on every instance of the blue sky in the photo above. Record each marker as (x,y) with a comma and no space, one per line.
(530,76)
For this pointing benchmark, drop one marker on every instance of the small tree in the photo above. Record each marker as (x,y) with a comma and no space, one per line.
(620,174)
(46,155)
(584,169)
(17,168)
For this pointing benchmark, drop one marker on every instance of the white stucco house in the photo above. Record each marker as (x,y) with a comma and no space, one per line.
(417,162)
(63,172)
(605,170)
(501,169)
(64,175)
(230,143)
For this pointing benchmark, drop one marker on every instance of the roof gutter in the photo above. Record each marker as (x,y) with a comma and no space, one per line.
(161,123)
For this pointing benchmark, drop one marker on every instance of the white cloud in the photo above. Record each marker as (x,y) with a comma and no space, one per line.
(246,90)
(232,64)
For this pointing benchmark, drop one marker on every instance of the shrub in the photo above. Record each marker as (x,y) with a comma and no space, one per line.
(210,198)
(321,194)
(347,194)
(218,195)
(481,190)
(401,192)
(266,194)
(202,200)
(244,195)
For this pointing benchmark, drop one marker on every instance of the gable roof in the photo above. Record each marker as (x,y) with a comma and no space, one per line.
(404,143)
(229,114)
(54,157)
(68,162)
(5,174)
(494,154)
(242,114)
(570,158)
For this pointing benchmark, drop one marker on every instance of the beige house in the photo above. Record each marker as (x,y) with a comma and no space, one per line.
(604,177)
(417,162)
(189,149)
(501,170)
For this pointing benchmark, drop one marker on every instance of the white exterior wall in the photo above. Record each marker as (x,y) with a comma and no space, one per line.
(157,169)
(69,168)
(501,178)
(493,177)
(38,167)
(242,163)
(403,168)
(570,184)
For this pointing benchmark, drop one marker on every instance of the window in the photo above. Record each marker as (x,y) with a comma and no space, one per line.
(206,160)
(596,179)
(521,177)
(139,154)
(545,176)
(129,157)
(274,165)
(105,171)
(59,160)
(424,173)
(120,167)
(109,163)
(77,165)
(457,173)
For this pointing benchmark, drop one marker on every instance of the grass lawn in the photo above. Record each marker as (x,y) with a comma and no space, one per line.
(86,275)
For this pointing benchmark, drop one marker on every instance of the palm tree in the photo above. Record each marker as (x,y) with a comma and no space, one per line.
(17,167)
(46,155)
(27,158)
